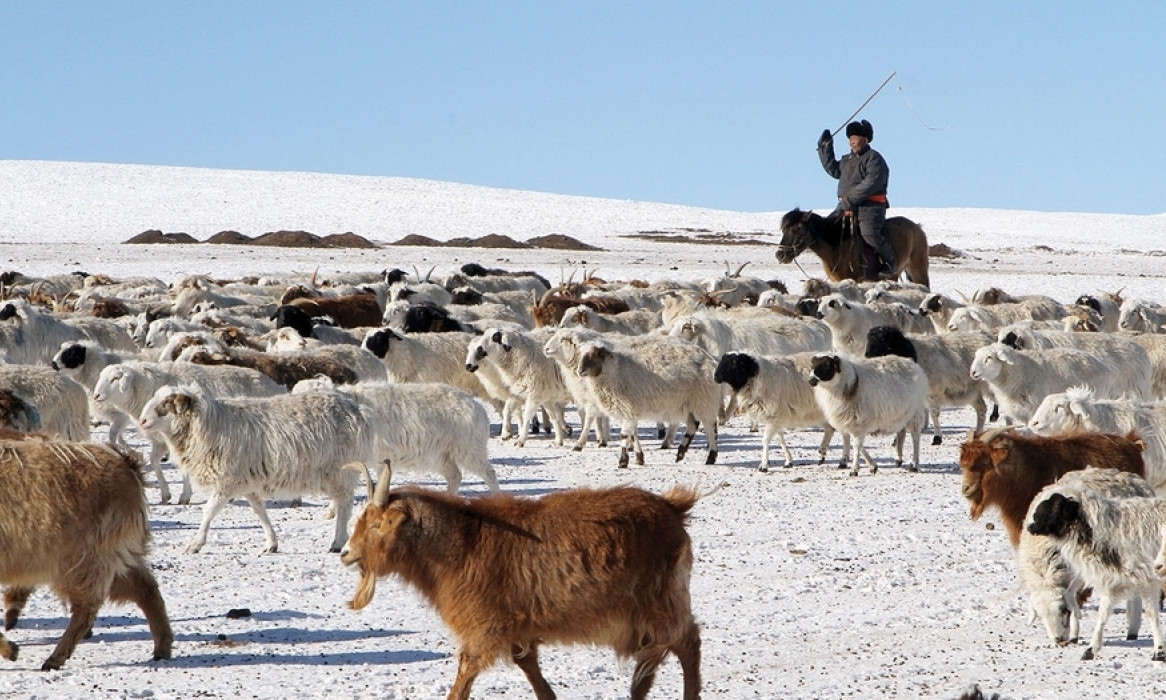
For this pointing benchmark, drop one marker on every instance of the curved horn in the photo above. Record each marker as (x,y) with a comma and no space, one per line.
(315,272)
(367,476)
(381,495)
(990,435)
(430,273)
(739,269)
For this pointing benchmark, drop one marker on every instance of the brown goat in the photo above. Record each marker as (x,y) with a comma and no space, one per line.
(1006,469)
(90,540)
(549,310)
(603,566)
(284,369)
(351,311)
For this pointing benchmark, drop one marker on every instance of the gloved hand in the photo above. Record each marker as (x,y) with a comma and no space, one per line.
(825,138)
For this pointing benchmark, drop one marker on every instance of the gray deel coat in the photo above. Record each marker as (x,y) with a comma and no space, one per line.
(859,176)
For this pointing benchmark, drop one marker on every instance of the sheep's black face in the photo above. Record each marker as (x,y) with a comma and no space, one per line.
(292,316)
(72,357)
(1012,340)
(7,311)
(736,369)
(889,340)
(807,306)
(378,342)
(823,368)
(932,304)
(465,296)
(1091,302)
(1055,516)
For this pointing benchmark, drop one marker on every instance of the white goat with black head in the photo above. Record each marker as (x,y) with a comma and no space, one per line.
(773,391)
(1111,544)
(870,396)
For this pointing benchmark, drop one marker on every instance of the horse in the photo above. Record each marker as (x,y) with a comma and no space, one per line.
(841,254)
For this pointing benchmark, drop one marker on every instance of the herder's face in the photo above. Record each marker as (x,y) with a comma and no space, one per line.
(858,143)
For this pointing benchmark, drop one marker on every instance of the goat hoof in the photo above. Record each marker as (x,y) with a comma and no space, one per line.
(1088,655)
(712,458)
(937,440)
(874,470)
(913,468)
(763,469)
(1159,655)
(1131,636)
(577,448)
(854,472)
(640,458)
(11,651)
(51,665)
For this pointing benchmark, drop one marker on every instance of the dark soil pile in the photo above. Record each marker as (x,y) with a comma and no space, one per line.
(419,240)
(558,241)
(941,250)
(346,240)
(229,238)
(156,236)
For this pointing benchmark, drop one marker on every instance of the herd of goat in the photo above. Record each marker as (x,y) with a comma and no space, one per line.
(262,389)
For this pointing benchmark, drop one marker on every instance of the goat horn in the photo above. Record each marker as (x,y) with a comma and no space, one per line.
(990,435)
(381,495)
(430,273)
(739,269)
(315,272)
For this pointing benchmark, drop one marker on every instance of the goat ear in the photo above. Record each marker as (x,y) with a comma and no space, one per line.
(182,403)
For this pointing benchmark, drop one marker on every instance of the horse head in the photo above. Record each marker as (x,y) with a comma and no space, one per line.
(797,233)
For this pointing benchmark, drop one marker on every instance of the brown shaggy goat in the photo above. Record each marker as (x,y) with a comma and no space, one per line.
(351,311)
(549,310)
(90,540)
(584,566)
(1006,469)
(284,369)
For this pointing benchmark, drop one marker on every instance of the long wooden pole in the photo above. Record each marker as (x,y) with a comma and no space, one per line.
(864,104)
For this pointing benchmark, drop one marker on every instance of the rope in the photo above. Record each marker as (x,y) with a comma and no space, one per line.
(912,108)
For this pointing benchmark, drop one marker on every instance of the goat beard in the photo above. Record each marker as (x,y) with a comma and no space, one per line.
(366,588)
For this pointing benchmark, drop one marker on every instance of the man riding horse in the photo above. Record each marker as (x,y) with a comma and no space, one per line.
(862,178)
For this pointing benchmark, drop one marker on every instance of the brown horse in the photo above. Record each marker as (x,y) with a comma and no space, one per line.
(842,254)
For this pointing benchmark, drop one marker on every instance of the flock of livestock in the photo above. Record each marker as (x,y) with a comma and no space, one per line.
(262,389)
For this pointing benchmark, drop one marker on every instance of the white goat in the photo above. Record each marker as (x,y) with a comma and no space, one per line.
(850,321)
(1078,409)
(1111,544)
(427,357)
(946,359)
(35,336)
(634,322)
(767,334)
(773,391)
(869,396)
(672,383)
(282,446)
(122,391)
(527,372)
(1051,583)
(1132,373)
(423,427)
(989,318)
(1141,316)
(1020,380)
(62,403)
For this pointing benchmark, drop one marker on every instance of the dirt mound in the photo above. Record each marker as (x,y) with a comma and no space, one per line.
(558,241)
(700,237)
(346,240)
(289,239)
(156,236)
(493,240)
(419,240)
(229,238)
(941,250)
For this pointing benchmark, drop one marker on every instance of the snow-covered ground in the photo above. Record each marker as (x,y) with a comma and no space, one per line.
(807,584)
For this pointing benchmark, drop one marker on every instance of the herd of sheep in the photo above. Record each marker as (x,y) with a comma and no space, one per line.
(260,389)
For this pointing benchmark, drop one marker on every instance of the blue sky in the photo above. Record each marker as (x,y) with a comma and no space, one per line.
(1049,106)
